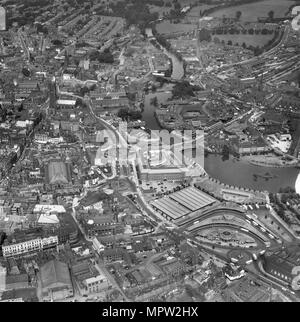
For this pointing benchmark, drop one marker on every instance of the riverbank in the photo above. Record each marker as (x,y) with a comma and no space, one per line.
(241,174)
(149,115)
(270,161)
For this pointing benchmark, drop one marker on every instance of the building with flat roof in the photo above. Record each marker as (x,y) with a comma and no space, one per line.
(96,284)
(48,219)
(152,174)
(64,104)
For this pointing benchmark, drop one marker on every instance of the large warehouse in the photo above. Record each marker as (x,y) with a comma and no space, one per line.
(56,281)
(58,173)
(284,265)
(182,203)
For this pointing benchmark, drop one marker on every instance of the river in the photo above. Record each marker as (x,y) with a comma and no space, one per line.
(240,173)
(163,95)
(232,172)
(148,114)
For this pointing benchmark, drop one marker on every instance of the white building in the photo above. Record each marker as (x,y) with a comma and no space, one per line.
(49,209)
(2,18)
(66,104)
(96,284)
(280,141)
(27,246)
(48,219)
(97,245)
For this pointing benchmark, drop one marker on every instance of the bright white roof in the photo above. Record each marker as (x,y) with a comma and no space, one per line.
(48,219)
(66,102)
(23,123)
(49,208)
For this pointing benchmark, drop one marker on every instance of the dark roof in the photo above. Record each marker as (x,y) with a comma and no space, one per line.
(283,261)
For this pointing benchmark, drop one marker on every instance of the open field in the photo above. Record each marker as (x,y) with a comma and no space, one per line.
(166,27)
(252,11)
(249,40)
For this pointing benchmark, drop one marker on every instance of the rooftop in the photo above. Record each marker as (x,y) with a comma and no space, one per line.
(54,274)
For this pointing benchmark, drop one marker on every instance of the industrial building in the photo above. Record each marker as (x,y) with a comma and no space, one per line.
(56,281)
(284,265)
(152,174)
(58,173)
(182,203)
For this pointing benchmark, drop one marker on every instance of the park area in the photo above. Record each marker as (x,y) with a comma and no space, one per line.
(253,11)
(249,13)
(249,40)
(166,27)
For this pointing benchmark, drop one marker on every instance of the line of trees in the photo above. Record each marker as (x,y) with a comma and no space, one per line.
(250,31)
(129,115)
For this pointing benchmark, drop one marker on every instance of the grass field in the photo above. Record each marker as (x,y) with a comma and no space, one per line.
(166,27)
(249,40)
(251,11)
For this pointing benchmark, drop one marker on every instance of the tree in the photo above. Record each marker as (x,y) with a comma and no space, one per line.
(183,90)
(225,153)
(126,114)
(105,57)
(83,91)
(238,15)
(26,72)
(57,42)
(204,35)
(257,51)
(154,101)
(123,113)
(216,40)
(271,15)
